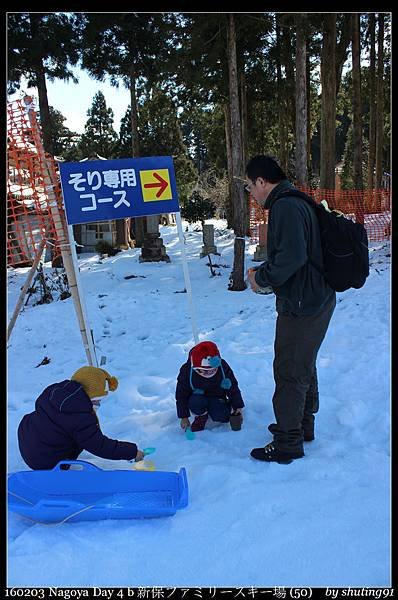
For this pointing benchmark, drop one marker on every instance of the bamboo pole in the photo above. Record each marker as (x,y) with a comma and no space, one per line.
(60,227)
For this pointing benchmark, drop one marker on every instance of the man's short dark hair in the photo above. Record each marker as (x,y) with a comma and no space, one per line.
(266,167)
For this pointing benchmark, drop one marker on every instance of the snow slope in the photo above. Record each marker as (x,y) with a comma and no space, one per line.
(320,521)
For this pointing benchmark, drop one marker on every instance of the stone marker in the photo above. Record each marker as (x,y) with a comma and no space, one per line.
(153,249)
(208,241)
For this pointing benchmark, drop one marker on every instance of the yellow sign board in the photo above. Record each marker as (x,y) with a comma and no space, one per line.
(155,185)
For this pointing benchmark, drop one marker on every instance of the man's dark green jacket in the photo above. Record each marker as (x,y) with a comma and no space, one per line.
(293,238)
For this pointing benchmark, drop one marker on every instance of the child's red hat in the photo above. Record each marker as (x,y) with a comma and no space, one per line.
(202,353)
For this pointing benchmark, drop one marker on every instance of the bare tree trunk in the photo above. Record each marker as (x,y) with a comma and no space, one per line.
(380,102)
(308,73)
(237,280)
(244,117)
(135,148)
(328,118)
(230,208)
(282,116)
(356,102)
(288,53)
(301,101)
(45,118)
(139,222)
(372,101)
(342,46)
(244,138)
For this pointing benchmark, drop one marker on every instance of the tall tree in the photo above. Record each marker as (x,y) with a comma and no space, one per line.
(99,136)
(283,150)
(42,46)
(63,138)
(129,48)
(372,100)
(239,197)
(288,53)
(343,34)
(230,170)
(356,104)
(301,99)
(201,71)
(380,102)
(160,135)
(328,115)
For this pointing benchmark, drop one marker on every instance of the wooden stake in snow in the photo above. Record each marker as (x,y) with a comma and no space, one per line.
(25,287)
(64,242)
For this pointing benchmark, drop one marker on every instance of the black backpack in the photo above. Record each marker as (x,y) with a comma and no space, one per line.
(344,246)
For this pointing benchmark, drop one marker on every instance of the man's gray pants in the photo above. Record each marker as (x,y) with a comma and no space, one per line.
(296,398)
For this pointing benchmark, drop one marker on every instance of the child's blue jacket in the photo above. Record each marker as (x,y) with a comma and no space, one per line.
(64,424)
(211,387)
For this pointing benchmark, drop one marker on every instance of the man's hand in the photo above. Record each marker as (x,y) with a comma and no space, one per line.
(250,277)
(185,422)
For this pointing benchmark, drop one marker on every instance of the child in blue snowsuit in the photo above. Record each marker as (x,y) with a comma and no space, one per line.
(64,423)
(207,386)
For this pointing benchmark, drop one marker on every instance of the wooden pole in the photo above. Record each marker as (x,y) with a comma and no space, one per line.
(25,287)
(83,309)
(60,228)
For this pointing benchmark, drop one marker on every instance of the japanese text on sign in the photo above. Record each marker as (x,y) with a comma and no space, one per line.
(114,189)
(109,178)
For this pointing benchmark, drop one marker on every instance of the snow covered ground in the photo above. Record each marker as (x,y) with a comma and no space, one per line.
(321,521)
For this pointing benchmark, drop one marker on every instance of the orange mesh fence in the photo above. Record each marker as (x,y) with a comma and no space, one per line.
(29,213)
(370,207)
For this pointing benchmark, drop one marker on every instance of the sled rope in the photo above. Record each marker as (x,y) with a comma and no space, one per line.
(51,524)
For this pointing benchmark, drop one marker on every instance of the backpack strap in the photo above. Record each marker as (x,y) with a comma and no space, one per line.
(311,202)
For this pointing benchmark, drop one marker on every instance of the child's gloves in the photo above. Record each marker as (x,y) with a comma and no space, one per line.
(185,422)
(140,456)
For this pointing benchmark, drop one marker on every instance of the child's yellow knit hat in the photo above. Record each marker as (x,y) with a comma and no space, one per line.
(94,381)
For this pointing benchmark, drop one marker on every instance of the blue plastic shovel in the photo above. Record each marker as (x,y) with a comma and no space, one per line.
(189,434)
(149,450)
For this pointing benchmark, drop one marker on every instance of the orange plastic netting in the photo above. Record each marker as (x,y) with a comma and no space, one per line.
(370,207)
(33,189)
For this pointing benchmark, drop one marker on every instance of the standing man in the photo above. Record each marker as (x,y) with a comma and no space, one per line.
(304,303)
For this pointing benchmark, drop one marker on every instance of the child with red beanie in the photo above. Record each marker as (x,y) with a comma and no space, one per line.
(207,386)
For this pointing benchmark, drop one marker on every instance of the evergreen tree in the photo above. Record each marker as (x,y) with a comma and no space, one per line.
(63,139)
(130,48)
(160,135)
(40,47)
(99,136)
(197,208)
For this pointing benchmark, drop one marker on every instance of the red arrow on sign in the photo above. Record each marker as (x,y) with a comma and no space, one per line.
(162,185)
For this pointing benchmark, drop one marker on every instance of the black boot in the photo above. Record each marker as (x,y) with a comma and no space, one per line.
(271,454)
(235,421)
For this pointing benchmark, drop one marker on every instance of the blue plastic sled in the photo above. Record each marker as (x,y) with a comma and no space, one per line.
(87,493)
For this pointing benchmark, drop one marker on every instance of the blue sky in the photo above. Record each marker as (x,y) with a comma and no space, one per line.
(73,100)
